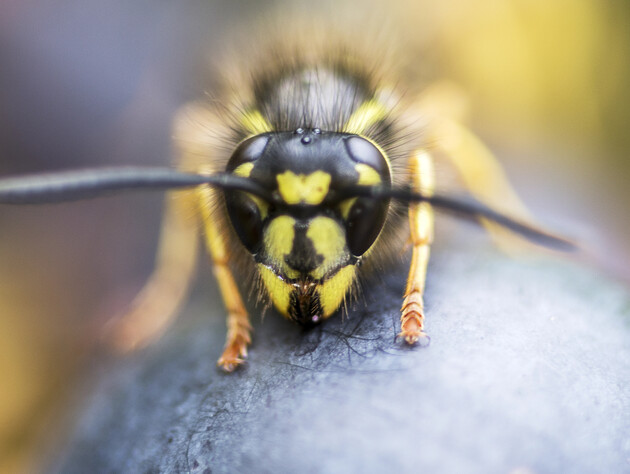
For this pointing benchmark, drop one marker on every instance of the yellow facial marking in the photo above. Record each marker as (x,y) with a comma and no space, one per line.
(334,290)
(345,207)
(302,188)
(244,171)
(279,290)
(254,122)
(329,241)
(368,114)
(368,176)
(278,242)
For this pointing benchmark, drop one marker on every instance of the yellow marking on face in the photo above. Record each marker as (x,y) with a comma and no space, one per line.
(255,123)
(329,240)
(244,171)
(279,290)
(303,188)
(369,113)
(368,176)
(278,242)
(345,207)
(334,289)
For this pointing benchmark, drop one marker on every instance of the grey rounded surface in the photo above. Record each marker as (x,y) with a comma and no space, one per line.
(528,369)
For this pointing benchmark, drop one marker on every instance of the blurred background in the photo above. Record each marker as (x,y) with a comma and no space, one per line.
(86,83)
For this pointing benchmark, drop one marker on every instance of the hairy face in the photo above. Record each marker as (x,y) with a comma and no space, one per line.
(307,244)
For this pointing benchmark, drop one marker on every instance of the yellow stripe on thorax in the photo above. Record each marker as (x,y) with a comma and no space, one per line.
(255,123)
(302,188)
(369,113)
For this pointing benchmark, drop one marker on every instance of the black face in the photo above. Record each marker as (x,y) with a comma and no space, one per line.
(339,159)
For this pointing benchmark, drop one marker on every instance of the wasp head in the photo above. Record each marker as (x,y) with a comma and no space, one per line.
(307,240)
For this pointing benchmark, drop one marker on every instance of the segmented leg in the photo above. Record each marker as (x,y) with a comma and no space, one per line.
(156,305)
(482,174)
(447,106)
(238,325)
(421,229)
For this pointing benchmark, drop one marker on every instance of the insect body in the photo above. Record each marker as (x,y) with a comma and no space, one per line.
(323,179)
(313,127)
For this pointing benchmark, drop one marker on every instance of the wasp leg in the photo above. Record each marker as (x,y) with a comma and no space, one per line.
(238,325)
(421,229)
(156,305)
(447,107)
(483,176)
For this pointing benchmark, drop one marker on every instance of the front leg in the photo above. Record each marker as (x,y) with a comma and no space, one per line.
(156,306)
(238,325)
(421,236)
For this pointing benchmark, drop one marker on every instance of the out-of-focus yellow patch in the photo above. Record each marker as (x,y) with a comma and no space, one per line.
(369,113)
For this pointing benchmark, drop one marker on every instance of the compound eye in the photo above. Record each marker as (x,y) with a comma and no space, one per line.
(247,152)
(244,212)
(366,217)
(365,153)
(364,223)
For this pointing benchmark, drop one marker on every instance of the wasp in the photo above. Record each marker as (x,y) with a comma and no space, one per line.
(308,171)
